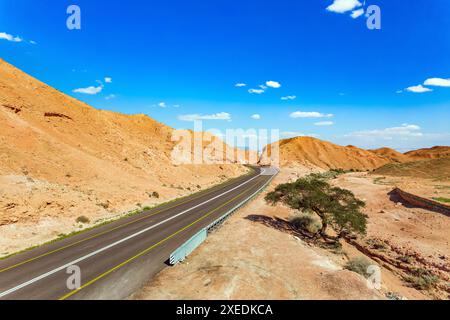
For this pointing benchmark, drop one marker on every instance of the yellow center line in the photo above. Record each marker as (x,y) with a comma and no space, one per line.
(151,247)
(206,192)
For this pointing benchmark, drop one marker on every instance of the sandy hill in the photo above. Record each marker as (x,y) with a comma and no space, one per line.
(326,155)
(391,154)
(60,157)
(430,153)
(436,169)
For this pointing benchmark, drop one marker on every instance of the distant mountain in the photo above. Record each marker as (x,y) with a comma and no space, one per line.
(325,155)
(430,153)
(391,155)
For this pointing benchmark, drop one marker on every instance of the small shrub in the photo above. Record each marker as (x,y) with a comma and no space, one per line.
(377,244)
(198,186)
(359,265)
(146,208)
(104,205)
(422,279)
(155,195)
(83,219)
(394,296)
(406,259)
(306,223)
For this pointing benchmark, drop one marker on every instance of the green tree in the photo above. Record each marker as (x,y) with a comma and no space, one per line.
(336,207)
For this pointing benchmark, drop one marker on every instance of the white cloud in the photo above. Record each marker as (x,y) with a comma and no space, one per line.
(240,85)
(256,117)
(324,123)
(404,131)
(289,98)
(399,91)
(273,84)
(263,86)
(357,13)
(418,89)
(342,6)
(256,91)
(89,90)
(108,80)
(437,82)
(312,114)
(33,42)
(176,105)
(109,97)
(194,117)
(9,37)
(162,104)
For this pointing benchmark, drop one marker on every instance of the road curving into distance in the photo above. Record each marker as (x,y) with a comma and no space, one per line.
(116,259)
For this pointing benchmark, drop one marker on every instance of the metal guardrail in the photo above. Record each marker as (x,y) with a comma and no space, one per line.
(193,243)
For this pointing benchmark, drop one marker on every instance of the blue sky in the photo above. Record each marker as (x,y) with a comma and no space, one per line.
(176,59)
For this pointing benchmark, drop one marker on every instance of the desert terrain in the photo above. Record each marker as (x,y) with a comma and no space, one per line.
(65,166)
(258,262)
(264,259)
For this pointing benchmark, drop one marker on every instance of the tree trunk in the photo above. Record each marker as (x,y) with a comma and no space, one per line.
(323,230)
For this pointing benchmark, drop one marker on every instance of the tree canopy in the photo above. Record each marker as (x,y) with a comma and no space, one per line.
(336,207)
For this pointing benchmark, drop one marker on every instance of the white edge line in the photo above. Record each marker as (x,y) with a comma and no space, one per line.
(45,275)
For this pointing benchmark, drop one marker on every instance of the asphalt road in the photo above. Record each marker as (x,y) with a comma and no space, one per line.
(115,260)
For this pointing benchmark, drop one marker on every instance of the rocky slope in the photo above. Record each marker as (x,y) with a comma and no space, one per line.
(436,169)
(325,155)
(61,158)
(392,155)
(430,153)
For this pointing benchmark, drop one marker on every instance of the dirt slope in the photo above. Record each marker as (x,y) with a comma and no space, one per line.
(430,153)
(325,155)
(436,169)
(391,154)
(61,158)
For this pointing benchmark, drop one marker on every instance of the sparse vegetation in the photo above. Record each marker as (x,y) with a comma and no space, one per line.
(329,175)
(335,207)
(435,169)
(376,244)
(155,195)
(394,296)
(422,279)
(443,200)
(442,187)
(406,259)
(82,219)
(380,181)
(359,265)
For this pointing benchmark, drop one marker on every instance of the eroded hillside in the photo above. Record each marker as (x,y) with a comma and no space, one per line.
(61,158)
